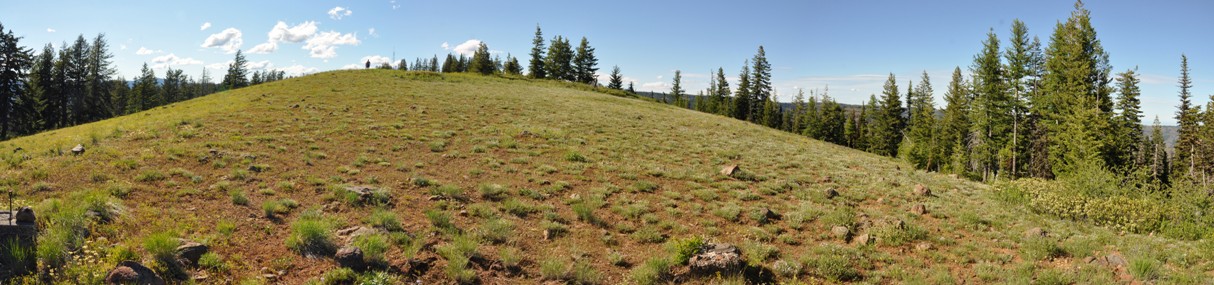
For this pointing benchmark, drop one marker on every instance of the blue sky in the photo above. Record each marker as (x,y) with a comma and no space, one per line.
(850,46)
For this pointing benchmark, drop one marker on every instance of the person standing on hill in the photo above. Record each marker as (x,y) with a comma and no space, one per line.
(368,64)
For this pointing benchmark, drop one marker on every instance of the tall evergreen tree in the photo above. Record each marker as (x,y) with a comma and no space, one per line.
(536,68)
(512,66)
(75,63)
(1078,109)
(585,64)
(832,121)
(97,88)
(722,93)
(991,116)
(171,88)
(559,63)
(877,128)
(676,90)
(1158,156)
(145,90)
(616,80)
(1187,117)
(921,138)
(46,89)
(1023,62)
(1128,138)
(760,87)
(15,60)
(742,98)
(954,125)
(887,128)
(481,63)
(237,75)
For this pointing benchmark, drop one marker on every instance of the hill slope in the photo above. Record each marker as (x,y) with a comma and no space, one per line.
(508,181)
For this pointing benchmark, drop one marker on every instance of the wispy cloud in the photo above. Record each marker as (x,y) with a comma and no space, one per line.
(170,60)
(468,47)
(339,12)
(228,40)
(205,26)
(281,32)
(298,70)
(50,30)
(371,32)
(324,45)
(145,51)
(394,5)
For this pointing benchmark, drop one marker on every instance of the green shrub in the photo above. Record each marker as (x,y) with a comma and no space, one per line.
(648,234)
(212,261)
(496,230)
(510,256)
(833,263)
(681,250)
(553,268)
(583,273)
(449,191)
(239,198)
(458,254)
(893,235)
(644,186)
(311,235)
(492,192)
(554,229)
(150,176)
(728,212)
(1144,269)
(385,219)
(654,271)
(341,275)
(1041,248)
(573,156)
(1118,211)
(271,208)
(374,247)
(162,246)
(441,220)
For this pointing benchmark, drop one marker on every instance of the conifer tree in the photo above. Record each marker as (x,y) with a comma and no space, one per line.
(75,64)
(46,89)
(991,116)
(97,86)
(772,113)
(676,90)
(616,81)
(237,75)
(722,93)
(809,119)
(559,63)
(630,89)
(1158,156)
(584,63)
(481,63)
(887,128)
(1023,62)
(512,66)
(1187,117)
(742,98)
(145,90)
(921,131)
(876,128)
(832,121)
(850,130)
(955,124)
(1078,107)
(760,88)
(536,68)
(1128,137)
(14,62)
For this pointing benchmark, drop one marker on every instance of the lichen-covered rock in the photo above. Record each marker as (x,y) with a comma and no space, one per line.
(189,252)
(919,209)
(921,190)
(350,257)
(714,258)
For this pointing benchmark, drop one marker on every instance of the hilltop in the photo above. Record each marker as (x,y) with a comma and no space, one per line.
(458,177)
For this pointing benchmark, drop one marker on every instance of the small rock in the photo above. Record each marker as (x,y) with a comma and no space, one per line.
(78,150)
(1115,260)
(189,252)
(729,170)
(769,214)
(716,258)
(863,239)
(130,272)
(825,179)
(923,246)
(1036,232)
(919,209)
(350,257)
(921,190)
(840,232)
(25,215)
(1089,259)
(881,200)
(830,193)
(547,235)
(349,234)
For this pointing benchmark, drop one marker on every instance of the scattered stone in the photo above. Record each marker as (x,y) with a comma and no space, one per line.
(189,252)
(1089,259)
(1036,232)
(25,215)
(1113,260)
(864,239)
(830,193)
(365,193)
(130,272)
(729,170)
(547,235)
(919,209)
(78,150)
(921,190)
(825,179)
(716,258)
(840,232)
(881,200)
(924,246)
(350,257)
(769,214)
(348,234)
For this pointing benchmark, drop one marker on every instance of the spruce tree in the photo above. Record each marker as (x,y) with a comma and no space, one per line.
(887,128)
(676,90)
(832,121)
(145,91)
(97,87)
(536,68)
(876,126)
(1187,117)
(616,80)
(1023,60)
(75,63)
(954,125)
(512,66)
(1078,108)
(742,98)
(760,88)
(585,64)
(15,60)
(559,63)
(1128,137)
(481,63)
(46,89)
(1158,156)
(722,93)
(991,116)
(921,131)
(237,75)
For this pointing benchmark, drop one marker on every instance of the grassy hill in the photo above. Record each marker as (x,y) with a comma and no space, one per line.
(504,181)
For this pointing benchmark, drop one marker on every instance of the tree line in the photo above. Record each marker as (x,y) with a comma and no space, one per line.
(1024,110)
(77,84)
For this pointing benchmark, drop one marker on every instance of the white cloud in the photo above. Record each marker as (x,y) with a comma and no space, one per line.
(264,48)
(394,5)
(376,60)
(205,26)
(169,60)
(655,87)
(50,30)
(298,70)
(122,47)
(338,12)
(371,32)
(259,65)
(445,46)
(282,33)
(146,51)
(220,65)
(228,40)
(468,47)
(324,45)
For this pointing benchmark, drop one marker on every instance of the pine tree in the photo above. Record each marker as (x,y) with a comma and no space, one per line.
(742,98)
(850,130)
(760,88)
(512,66)
(888,124)
(630,89)
(585,64)
(559,63)
(75,63)
(536,67)
(14,62)
(46,89)
(616,81)
(676,90)
(876,127)
(772,113)
(1078,108)
(832,121)
(955,124)
(97,87)
(1023,62)
(808,122)
(1158,157)
(921,131)
(481,63)
(145,90)
(237,75)
(1128,138)
(171,90)
(450,64)
(991,116)
(1187,117)
(722,93)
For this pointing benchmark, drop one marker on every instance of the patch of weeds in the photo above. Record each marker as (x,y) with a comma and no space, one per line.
(841,216)
(835,263)
(273,208)
(1041,248)
(239,197)
(311,234)
(510,256)
(438,146)
(644,186)
(518,208)
(213,261)
(1144,269)
(786,269)
(492,192)
(553,268)
(163,247)
(458,253)
(150,176)
(553,228)
(653,271)
(496,230)
(583,273)
(441,220)
(573,156)
(385,220)
(449,191)
(648,234)
(374,247)
(616,258)
(682,249)
(633,210)
(729,212)
(758,252)
(895,235)
(421,182)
